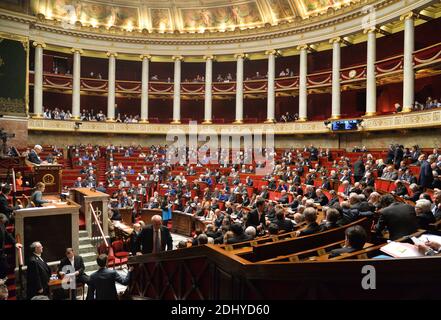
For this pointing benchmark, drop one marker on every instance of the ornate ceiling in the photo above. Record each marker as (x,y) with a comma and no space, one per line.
(183,16)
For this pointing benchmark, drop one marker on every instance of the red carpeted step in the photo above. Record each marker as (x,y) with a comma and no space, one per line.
(82,222)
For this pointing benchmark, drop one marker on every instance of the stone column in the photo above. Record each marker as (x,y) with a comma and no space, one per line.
(271,99)
(371,82)
(177,90)
(335,78)
(208,89)
(145,88)
(303,92)
(408,71)
(76,80)
(111,86)
(239,87)
(38,79)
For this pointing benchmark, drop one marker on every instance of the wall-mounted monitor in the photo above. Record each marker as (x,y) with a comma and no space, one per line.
(345,125)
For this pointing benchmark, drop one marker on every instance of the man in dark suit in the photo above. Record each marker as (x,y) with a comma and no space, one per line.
(239,234)
(326,185)
(321,198)
(5,237)
(38,273)
(102,282)
(34,154)
(399,218)
(398,155)
(312,227)
(424,215)
(264,194)
(72,263)
(286,225)
(359,169)
(426,176)
(355,238)
(256,218)
(155,237)
(284,198)
(4,205)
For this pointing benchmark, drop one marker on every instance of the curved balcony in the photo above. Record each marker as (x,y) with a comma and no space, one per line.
(387,71)
(412,120)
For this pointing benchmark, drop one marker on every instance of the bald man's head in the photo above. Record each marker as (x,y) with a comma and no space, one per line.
(156,222)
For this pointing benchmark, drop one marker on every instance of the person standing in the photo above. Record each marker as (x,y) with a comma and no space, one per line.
(426,175)
(101,285)
(38,272)
(72,263)
(5,237)
(154,238)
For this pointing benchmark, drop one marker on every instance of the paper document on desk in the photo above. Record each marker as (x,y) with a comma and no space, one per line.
(401,250)
(37,208)
(428,237)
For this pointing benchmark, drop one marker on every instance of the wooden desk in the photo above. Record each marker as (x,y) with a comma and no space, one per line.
(185,224)
(50,175)
(182,223)
(55,225)
(126,215)
(84,197)
(58,284)
(147,214)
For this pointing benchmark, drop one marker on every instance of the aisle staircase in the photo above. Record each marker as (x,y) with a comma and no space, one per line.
(88,251)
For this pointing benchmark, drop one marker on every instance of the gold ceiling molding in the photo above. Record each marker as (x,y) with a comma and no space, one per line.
(190,16)
(313,22)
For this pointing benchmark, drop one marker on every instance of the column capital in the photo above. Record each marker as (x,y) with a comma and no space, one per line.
(240,55)
(75,50)
(39,44)
(111,54)
(142,56)
(175,58)
(409,15)
(370,30)
(208,57)
(335,40)
(273,52)
(303,47)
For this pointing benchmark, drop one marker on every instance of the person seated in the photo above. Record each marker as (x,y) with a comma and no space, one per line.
(330,222)
(37,197)
(4,203)
(355,239)
(416,192)
(400,189)
(424,214)
(348,214)
(310,216)
(321,198)
(430,248)
(284,198)
(238,234)
(284,224)
(33,155)
(101,187)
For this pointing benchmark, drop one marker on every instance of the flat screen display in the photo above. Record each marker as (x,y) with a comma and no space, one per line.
(343,125)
